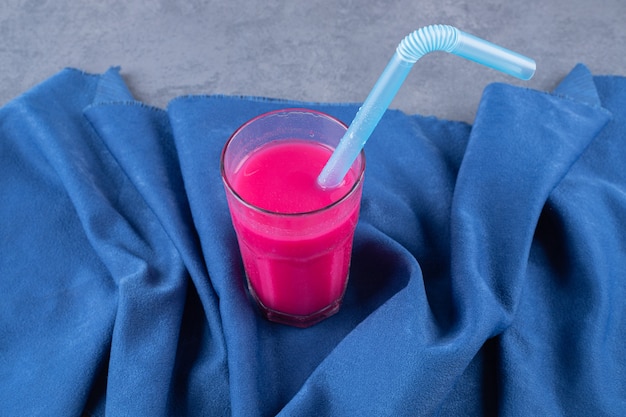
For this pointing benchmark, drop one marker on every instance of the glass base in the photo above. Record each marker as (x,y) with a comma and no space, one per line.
(293,320)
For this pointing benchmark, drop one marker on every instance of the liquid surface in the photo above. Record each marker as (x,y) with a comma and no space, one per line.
(282,177)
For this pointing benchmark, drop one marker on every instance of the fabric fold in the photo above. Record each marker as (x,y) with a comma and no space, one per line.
(564,343)
(141,142)
(522,144)
(58,299)
(113,282)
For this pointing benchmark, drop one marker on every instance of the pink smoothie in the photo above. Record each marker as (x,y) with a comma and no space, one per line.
(297,264)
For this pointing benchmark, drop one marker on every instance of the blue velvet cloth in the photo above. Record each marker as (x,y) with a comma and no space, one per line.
(488,273)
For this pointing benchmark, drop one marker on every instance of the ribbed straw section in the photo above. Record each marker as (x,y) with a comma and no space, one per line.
(428,39)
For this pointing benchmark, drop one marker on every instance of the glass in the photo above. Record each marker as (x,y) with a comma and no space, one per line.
(296,260)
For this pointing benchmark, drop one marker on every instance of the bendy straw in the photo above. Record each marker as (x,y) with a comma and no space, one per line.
(413,47)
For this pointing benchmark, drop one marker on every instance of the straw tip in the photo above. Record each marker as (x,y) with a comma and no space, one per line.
(528,71)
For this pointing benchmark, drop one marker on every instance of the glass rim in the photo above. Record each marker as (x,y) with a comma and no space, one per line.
(254,207)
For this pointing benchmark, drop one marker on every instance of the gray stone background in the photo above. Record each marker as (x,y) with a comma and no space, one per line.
(324,51)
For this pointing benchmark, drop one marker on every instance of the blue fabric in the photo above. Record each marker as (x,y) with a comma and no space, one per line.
(488,273)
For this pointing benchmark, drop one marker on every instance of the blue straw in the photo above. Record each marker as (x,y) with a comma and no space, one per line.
(413,47)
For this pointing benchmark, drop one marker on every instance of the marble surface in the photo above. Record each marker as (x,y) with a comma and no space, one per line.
(326,51)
